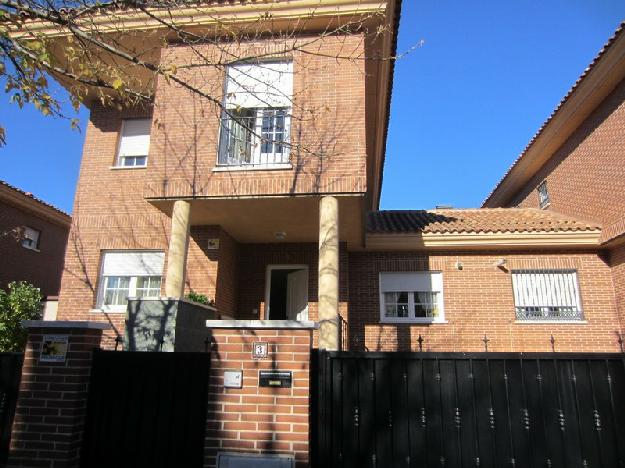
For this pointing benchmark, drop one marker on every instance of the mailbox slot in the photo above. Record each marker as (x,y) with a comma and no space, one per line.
(275,379)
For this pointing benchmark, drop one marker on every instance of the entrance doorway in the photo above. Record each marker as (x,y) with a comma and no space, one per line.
(286,295)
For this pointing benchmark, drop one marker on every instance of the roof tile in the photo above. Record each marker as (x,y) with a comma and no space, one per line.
(482,220)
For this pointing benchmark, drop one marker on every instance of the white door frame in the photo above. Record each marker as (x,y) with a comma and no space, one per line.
(268,282)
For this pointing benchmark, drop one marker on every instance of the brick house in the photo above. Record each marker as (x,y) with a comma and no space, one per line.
(33,237)
(575,164)
(180,196)
(265,199)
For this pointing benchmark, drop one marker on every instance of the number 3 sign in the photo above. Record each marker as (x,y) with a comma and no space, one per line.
(260,349)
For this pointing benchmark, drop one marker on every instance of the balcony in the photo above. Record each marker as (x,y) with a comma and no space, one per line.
(255,138)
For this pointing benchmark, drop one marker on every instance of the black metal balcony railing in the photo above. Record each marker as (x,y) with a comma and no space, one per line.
(254,137)
(547,313)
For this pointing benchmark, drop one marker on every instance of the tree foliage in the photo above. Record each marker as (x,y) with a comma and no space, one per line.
(21,301)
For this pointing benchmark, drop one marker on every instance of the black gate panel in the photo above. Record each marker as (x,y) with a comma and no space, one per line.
(146,409)
(468,410)
(10,375)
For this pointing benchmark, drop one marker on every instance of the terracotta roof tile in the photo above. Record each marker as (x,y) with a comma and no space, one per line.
(482,220)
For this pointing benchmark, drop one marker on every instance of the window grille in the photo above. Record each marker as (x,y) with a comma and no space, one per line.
(255,127)
(546,295)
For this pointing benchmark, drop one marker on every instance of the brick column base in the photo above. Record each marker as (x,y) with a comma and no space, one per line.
(52,402)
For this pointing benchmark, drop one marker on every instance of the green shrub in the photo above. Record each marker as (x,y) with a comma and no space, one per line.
(199,298)
(21,301)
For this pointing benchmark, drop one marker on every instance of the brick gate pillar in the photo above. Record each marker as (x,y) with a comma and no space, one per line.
(52,401)
(254,418)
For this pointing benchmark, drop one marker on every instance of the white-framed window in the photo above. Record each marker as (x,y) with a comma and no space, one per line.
(255,128)
(127,274)
(543,195)
(411,297)
(546,295)
(30,238)
(134,143)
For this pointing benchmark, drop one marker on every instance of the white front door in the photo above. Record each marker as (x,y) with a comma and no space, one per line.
(297,295)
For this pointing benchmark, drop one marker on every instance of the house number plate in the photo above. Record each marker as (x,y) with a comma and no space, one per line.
(260,350)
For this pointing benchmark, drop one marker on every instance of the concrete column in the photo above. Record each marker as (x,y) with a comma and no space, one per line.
(328,273)
(177,255)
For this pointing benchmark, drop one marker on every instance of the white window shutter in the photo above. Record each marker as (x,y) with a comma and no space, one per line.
(135,138)
(416,281)
(259,85)
(133,263)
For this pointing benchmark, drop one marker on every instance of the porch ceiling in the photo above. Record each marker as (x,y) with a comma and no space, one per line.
(257,220)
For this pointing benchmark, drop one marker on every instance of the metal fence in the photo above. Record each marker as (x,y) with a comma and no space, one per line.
(146,409)
(468,410)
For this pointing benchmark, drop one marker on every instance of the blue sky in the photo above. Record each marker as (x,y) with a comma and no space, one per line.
(464,105)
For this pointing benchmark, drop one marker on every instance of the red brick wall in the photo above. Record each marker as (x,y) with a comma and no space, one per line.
(109,213)
(478,299)
(52,402)
(585,176)
(42,269)
(328,126)
(254,419)
(253,270)
(617,261)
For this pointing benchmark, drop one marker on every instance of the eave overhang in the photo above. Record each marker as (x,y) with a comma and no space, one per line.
(33,206)
(142,32)
(484,241)
(294,14)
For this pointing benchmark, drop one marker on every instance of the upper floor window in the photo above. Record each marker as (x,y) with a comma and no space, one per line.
(134,143)
(256,124)
(546,295)
(543,194)
(411,297)
(30,238)
(127,274)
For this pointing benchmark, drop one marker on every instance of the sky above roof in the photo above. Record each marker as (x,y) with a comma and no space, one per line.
(464,105)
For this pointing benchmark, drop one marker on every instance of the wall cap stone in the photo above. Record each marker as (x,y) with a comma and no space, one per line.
(65,324)
(268,324)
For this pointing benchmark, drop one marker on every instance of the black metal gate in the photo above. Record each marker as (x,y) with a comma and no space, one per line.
(146,409)
(10,374)
(468,410)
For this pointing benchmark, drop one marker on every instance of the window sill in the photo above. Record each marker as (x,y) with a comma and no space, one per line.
(119,168)
(412,322)
(551,322)
(107,311)
(268,167)
(31,249)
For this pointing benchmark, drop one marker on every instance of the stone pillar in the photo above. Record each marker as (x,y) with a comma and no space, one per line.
(52,401)
(178,243)
(328,273)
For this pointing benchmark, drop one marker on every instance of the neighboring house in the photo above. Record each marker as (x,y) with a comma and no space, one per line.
(33,236)
(575,165)
(171,200)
